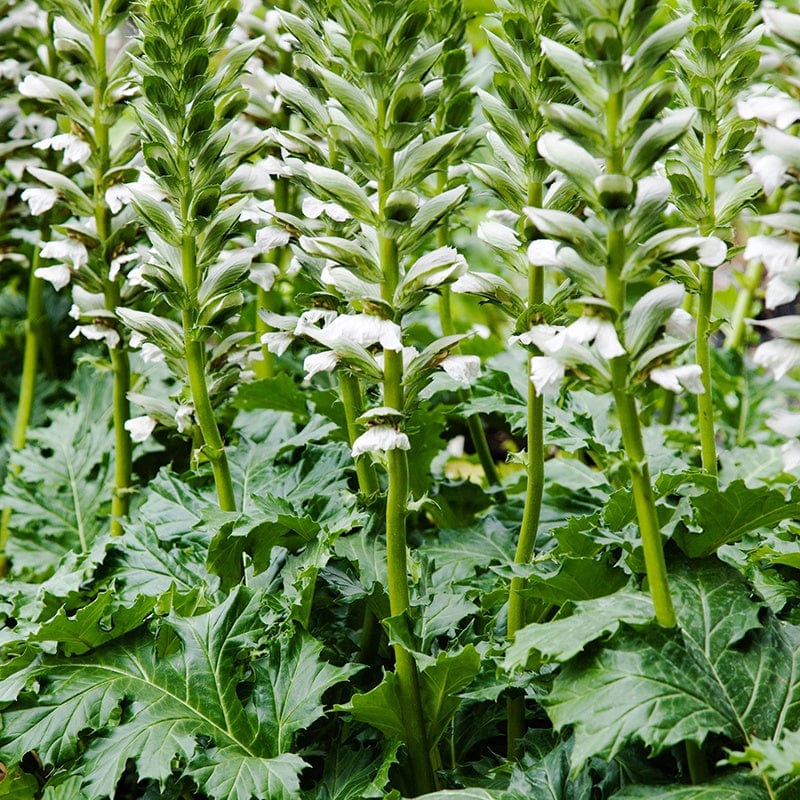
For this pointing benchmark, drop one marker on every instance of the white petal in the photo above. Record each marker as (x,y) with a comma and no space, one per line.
(69,251)
(776,254)
(584,329)
(320,362)
(463,369)
(363,329)
(791,455)
(680,325)
(781,289)
(548,338)
(546,374)
(712,252)
(263,275)
(687,377)
(785,422)
(151,353)
(184,417)
(607,342)
(34,86)
(771,170)
(498,236)
(140,428)
(543,253)
(117,196)
(39,200)
(271,237)
(380,439)
(778,356)
(277,342)
(96,333)
(59,275)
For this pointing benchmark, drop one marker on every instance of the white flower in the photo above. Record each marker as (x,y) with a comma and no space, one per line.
(546,374)
(498,236)
(674,379)
(140,428)
(779,256)
(277,342)
(320,362)
(596,329)
(76,150)
(39,200)
(779,110)
(436,267)
(463,369)
(380,439)
(778,356)
(10,69)
(314,209)
(151,354)
(785,423)
(543,253)
(545,337)
(68,251)
(184,417)
(363,329)
(34,86)
(97,333)
(771,170)
(59,275)
(680,325)
(790,451)
(651,188)
(263,275)
(271,237)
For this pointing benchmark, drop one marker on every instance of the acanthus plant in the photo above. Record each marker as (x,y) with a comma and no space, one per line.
(314,607)
(187,118)
(376,145)
(91,253)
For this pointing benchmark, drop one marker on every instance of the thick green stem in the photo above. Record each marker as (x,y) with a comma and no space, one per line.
(213,446)
(744,304)
(530,519)
(419,752)
(705,401)
(353,407)
(27,389)
(120,362)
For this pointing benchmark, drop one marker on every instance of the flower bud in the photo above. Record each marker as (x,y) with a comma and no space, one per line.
(615,191)
(401,205)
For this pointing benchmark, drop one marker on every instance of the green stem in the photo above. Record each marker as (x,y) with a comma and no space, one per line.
(27,391)
(705,401)
(120,362)
(698,766)
(627,412)
(353,407)
(530,518)
(744,303)
(419,752)
(213,447)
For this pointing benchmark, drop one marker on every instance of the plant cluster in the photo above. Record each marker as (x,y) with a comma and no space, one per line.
(399,400)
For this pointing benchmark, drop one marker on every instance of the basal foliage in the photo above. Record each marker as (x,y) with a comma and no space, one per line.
(465,458)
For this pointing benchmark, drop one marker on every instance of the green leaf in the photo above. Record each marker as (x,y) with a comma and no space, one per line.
(280,393)
(575,73)
(289,686)
(726,516)
(463,794)
(719,672)
(416,162)
(730,204)
(656,140)
(440,681)
(356,774)
(564,638)
(725,789)
(179,687)
(18,785)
